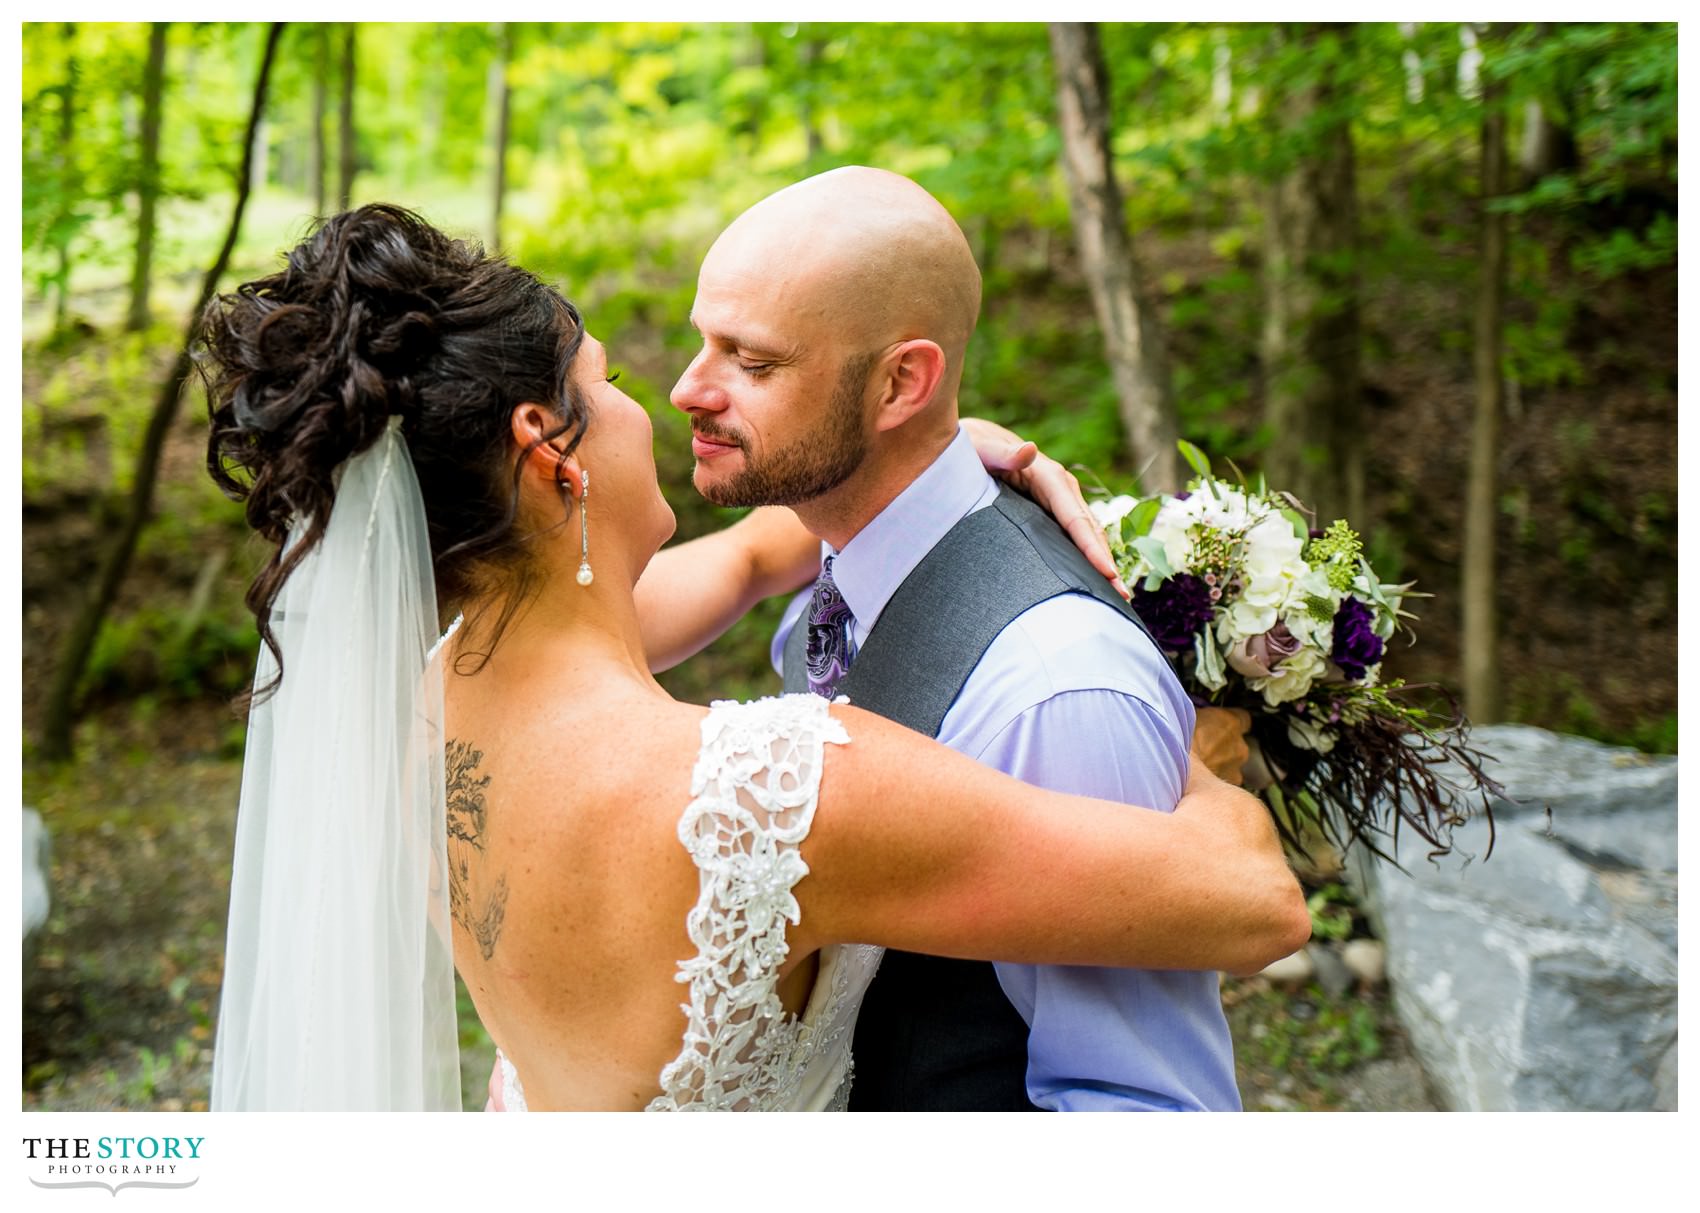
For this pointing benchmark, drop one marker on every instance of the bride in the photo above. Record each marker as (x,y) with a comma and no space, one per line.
(653,905)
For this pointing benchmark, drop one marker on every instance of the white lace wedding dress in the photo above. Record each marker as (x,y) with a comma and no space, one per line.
(754,790)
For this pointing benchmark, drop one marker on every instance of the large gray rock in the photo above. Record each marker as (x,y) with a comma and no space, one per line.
(1545,977)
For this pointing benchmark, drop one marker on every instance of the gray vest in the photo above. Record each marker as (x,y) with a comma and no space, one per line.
(937,1034)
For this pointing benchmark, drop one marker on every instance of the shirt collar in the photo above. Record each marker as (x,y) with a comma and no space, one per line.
(875,562)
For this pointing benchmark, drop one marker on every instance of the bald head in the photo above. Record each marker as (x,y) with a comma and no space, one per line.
(864,252)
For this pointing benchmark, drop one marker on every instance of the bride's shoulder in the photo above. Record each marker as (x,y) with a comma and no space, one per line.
(741,723)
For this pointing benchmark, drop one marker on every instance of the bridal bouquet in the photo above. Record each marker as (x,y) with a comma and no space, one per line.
(1261,611)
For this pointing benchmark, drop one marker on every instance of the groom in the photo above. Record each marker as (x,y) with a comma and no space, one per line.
(834,318)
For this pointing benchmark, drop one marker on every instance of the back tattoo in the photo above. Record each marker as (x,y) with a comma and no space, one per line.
(467,814)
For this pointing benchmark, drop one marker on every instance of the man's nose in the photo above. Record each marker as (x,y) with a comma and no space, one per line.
(694,393)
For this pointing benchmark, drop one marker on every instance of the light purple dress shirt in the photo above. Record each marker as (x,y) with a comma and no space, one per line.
(1070,696)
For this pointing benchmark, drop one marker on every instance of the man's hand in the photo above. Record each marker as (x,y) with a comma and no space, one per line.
(1219,742)
(1021,465)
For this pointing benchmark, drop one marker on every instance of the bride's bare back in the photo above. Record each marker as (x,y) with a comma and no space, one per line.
(570,889)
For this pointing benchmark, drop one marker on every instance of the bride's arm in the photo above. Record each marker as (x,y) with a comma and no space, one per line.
(692,592)
(917,847)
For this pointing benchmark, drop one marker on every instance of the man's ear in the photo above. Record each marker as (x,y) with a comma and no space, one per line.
(530,423)
(912,372)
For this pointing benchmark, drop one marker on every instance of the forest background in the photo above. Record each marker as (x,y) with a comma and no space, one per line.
(1423,275)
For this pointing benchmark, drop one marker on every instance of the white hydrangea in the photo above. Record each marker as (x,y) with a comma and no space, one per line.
(1292,679)
(1311,631)
(1216,506)
(1110,513)
(1274,565)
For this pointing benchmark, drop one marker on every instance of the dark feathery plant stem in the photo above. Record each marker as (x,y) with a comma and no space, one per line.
(1399,777)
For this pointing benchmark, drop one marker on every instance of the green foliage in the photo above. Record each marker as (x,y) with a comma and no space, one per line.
(139,1091)
(1330,912)
(1313,1032)
(632,144)
(1558,700)
(150,651)
(1613,87)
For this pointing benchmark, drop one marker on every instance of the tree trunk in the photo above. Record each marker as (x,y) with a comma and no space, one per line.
(316,140)
(1221,80)
(500,99)
(1548,146)
(261,160)
(61,702)
(809,54)
(1133,342)
(345,149)
(1549,143)
(1313,389)
(1415,85)
(147,186)
(1481,639)
(1469,62)
(69,186)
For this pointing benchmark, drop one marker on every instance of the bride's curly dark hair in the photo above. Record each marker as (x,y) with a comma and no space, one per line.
(378,314)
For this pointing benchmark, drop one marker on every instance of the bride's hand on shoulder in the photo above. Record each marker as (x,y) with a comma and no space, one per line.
(1022,465)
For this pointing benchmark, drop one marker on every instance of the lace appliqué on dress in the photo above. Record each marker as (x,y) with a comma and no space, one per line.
(754,789)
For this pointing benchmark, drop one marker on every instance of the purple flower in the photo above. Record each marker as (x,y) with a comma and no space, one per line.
(1356,646)
(1175,610)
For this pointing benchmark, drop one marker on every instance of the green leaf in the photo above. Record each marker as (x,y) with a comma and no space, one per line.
(1300,527)
(1212,672)
(1139,519)
(1195,458)
(1154,554)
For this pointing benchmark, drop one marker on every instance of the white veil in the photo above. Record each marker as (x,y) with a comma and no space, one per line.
(339,973)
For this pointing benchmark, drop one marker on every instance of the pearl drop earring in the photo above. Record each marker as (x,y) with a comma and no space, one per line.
(585,576)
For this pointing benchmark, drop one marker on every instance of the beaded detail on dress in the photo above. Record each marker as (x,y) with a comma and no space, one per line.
(755,787)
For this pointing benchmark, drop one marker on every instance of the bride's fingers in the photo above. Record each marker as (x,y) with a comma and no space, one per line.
(1018,456)
(998,448)
(1058,490)
(1089,537)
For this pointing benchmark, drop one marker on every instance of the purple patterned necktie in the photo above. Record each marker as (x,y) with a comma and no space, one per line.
(829,621)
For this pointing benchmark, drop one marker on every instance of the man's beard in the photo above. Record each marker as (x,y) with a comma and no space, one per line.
(817,463)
